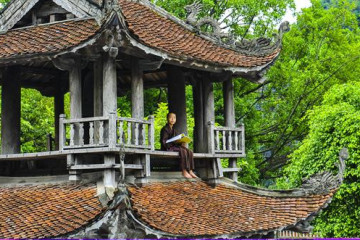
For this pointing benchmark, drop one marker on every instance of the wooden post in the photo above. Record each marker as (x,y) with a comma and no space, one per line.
(152,133)
(75,91)
(62,132)
(10,112)
(176,97)
(229,115)
(137,99)
(98,87)
(110,106)
(209,113)
(59,109)
(199,135)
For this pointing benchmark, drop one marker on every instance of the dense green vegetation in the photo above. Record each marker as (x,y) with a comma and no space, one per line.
(296,121)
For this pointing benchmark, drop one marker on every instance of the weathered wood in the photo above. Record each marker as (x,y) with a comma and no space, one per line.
(229,107)
(199,143)
(219,167)
(91,133)
(209,114)
(112,129)
(152,132)
(121,132)
(75,91)
(176,97)
(109,174)
(224,140)
(109,84)
(83,120)
(10,112)
(129,133)
(62,132)
(72,135)
(210,134)
(217,140)
(137,90)
(58,109)
(231,169)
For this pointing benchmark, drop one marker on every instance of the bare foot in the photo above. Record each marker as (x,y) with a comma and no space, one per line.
(193,174)
(186,174)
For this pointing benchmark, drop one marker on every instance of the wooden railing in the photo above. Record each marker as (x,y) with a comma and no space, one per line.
(84,132)
(226,139)
(107,131)
(135,133)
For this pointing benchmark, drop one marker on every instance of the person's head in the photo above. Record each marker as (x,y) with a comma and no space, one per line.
(171,118)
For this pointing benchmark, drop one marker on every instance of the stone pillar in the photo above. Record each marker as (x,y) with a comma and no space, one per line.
(109,108)
(59,109)
(229,115)
(176,97)
(10,113)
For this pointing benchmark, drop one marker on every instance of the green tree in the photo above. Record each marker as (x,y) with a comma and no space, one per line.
(322,49)
(332,125)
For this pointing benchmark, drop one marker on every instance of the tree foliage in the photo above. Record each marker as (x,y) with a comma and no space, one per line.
(332,125)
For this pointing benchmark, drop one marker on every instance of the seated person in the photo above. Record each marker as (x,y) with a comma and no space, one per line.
(186,155)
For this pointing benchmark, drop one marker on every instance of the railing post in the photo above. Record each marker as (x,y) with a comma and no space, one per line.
(112,130)
(152,132)
(210,137)
(62,132)
(242,139)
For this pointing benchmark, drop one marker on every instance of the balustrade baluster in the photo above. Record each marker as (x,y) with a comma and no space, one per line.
(217,140)
(91,133)
(81,134)
(143,126)
(121,131)
(229,140)
(129,133)
(72,134)
(101,132)
(236,140)
(224,139)
(136,138)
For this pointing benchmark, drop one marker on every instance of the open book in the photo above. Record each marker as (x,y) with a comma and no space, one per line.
(181,138)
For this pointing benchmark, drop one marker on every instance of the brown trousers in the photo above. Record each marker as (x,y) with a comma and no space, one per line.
(186,157)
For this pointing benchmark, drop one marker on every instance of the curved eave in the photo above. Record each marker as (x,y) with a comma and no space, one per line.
(54,54)
(296,224)
(251,73)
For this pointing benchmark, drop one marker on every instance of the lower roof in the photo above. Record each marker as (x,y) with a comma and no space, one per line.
(46,211)
(197,209)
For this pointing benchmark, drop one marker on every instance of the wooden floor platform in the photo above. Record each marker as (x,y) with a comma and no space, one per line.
(64,153)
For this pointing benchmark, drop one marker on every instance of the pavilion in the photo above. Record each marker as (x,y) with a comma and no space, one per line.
(99,50)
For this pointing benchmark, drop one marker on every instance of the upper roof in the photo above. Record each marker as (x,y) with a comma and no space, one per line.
(196,209)
(146,27)
(46,39)
(46,211)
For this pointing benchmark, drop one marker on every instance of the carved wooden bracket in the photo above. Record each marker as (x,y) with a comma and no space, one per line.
(67,63)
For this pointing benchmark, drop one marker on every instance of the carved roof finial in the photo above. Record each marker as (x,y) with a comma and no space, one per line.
(323,182)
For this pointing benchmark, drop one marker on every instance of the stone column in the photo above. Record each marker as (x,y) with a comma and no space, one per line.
(199,128)
(109,109)
(176,97)
(229,115)
(10,112)
(137,90)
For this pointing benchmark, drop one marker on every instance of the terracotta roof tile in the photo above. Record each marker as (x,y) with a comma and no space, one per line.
(48,38)
(45,211)
(156,31)
(196,209)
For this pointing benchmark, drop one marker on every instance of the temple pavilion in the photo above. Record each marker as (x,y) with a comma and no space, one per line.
(98,50)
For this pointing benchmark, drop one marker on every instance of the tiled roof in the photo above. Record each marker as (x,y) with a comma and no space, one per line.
(45,211)
(159,32)
(196,209)
(47,38)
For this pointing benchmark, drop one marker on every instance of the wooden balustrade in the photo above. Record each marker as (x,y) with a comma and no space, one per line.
(226,139)
(109,131)
(84,132)
(136,133)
